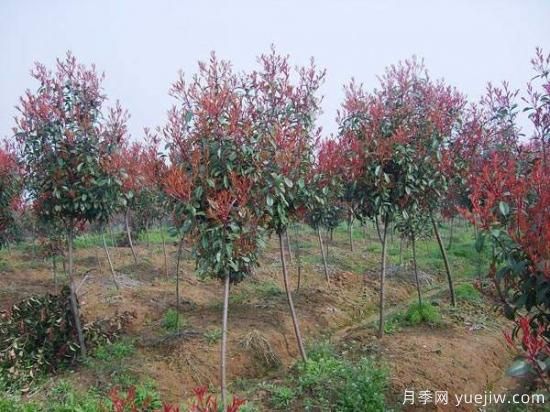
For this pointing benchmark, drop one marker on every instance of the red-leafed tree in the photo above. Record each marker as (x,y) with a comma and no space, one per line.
(510,203)
(215,178)
(284,107)
(144,167)
(11,185)
(66,143)
(324,186)
(395,137)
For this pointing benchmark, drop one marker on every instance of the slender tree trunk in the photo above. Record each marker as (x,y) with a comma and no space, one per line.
(378,232)
(288,246)
(445,260)
(113,243)
(479,259)
(99,265)
(383,278)
(33,234)
(450,233)
(332,235)
(401,251)
(180,248)
(290,302)
(224,342)
(325,266)
(350,231)
(164,251)
(129,234)
(416,269)
(72,296)
(113,274)
(327,241)
(54,268)
(298,260)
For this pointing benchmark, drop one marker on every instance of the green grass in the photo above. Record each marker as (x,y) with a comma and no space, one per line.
(154,237)
(115,351)
(172,320)
(63,397)
(328,381)
(212,336)
(466,292)
(425,313)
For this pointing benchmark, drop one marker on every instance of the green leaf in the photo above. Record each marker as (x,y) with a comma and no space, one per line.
(504,208)
(520,367)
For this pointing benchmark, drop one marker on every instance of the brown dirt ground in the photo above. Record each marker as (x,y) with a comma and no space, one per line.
(466,355)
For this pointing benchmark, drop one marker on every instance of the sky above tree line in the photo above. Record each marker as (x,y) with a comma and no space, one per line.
(141,45)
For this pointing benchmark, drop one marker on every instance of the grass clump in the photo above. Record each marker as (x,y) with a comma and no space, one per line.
(114,351)
(425,313)
(281,397)
(172,320)
(466,292)
(329,382)
(394,323)
(212,336)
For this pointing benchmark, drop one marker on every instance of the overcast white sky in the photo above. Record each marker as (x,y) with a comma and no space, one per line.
(141,45)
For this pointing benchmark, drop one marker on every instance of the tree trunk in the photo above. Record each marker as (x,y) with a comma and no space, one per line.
(445,260)
(288,246)
(129,233)
(378,229)
(413,240)
(54,268)
(72,296)
(33,234)
(400,251)
(113,274)
(450,234)
(178,283)
(164,251)
(327,241)
(224,341)
(350,231)
(290,302)
(99,265)
(113,243)
(298,260)
(383,278)
(325,266)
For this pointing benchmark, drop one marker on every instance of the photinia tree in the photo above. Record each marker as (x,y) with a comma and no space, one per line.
(215,178)
(394,137)
(284,107)
(324,189)
(66,144)
(510,203)
(11,184)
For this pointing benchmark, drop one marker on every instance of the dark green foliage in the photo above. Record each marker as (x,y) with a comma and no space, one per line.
(38,336)
(424,313)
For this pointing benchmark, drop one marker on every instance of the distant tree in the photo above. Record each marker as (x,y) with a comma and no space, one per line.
(395,136)
(66,143)
(284,110)
(11,185)
(215,178)
(324,208)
